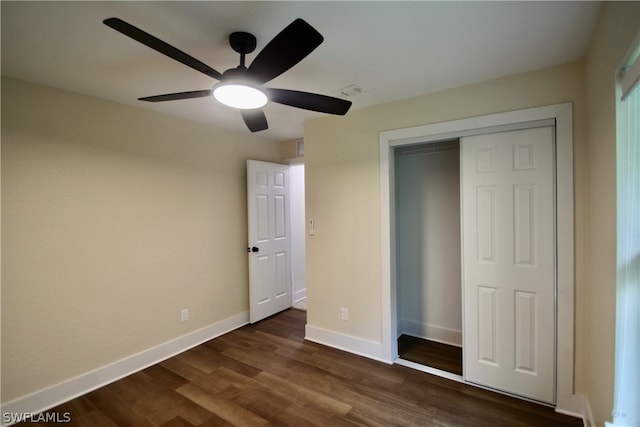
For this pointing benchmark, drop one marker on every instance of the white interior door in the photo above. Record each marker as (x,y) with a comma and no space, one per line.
(508,223)
(268,190)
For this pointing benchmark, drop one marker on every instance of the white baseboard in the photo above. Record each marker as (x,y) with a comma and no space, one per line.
(431,332)
(349,343)
(299,295)
(55,395)
(587,414)
(576,406)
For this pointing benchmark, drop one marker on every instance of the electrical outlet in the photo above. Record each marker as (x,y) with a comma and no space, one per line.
(184,315)
(344,313)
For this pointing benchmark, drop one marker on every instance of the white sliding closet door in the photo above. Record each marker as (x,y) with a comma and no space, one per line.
(508,221)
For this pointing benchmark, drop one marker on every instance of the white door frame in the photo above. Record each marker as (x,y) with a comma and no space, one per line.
(567,401)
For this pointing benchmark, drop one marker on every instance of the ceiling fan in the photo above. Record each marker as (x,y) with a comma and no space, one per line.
(242,87)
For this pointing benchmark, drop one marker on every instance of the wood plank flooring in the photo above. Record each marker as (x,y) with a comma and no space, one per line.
(267,375)
(430,353)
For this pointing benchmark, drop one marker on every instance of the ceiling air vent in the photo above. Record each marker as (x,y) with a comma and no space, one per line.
(350,91)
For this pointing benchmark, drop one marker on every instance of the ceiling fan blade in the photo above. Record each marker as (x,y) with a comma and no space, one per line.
(309,101)
(178,95)
(160,46)
(255,120)
(284,51)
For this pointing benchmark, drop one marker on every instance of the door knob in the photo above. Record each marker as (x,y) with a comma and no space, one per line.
(253,249)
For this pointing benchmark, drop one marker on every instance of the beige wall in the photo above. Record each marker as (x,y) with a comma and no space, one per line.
(113,220)
(289,149)
(343,196)
(618,25)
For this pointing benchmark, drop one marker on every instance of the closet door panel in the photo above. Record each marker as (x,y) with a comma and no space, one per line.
(508,228)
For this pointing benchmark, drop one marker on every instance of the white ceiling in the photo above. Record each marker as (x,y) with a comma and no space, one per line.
(392,49)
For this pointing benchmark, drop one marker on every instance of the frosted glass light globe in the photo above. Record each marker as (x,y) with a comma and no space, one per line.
(239,95)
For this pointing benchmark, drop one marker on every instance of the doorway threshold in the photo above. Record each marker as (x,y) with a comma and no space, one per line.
(429,370)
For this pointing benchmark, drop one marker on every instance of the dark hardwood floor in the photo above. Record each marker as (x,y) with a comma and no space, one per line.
(430,353)
(267,374)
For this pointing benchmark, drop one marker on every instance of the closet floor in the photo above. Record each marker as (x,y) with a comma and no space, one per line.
(430,353)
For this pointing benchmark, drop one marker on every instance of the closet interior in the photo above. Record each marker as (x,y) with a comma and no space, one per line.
(428,255)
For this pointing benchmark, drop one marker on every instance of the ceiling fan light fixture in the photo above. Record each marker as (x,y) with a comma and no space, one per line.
(240,95)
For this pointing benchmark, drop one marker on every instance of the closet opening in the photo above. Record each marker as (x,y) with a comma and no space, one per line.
(428,255)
